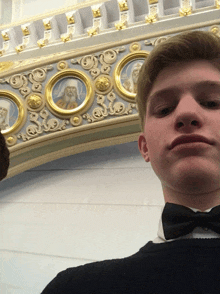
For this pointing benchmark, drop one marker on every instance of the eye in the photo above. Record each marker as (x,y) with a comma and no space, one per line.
(164,111)
(211,104)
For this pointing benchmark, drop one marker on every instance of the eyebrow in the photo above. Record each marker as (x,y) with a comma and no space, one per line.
(196,86)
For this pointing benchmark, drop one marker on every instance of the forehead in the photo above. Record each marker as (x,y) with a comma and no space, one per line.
(184,76)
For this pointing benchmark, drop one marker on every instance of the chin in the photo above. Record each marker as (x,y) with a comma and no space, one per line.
(195,181)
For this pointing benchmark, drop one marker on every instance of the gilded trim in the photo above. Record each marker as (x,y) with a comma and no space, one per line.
(72,74)
(21,112)
(126,94)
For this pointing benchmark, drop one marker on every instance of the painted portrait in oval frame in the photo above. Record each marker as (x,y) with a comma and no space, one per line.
(69,92)
(126,74)
(12,112)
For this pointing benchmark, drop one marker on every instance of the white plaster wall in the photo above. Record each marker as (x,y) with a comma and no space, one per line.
(101,204)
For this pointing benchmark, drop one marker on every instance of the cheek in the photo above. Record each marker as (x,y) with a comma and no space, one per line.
(156,138)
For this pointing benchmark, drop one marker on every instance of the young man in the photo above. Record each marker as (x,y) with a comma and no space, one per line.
(179,105)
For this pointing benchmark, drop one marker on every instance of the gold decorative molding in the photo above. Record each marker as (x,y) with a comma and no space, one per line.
(217,4)
(76,120)
(103,84)
(53,12)
(129,67)
(70,19)
(96,12)
(35,102)
(151,18)
(215,30)
(185,11)
(11,140)
(65,38)
(62,65)
(123,5)
(121,25)
(42,43)
(64,107)
(93,31)
(25,31)
(135,47)
(5,65)
(47,24)
(10,97)
(19,48)
(5,36)
(153,1)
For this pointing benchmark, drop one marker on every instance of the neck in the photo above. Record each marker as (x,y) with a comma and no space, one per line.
(201,201)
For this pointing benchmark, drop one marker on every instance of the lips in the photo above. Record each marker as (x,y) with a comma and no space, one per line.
(190,139)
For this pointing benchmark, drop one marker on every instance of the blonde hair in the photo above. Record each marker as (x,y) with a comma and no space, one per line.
(187,46)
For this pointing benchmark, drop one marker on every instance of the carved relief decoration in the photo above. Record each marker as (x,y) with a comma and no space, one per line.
(42,123)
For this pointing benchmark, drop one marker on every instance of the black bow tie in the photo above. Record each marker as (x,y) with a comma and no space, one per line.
(179,220)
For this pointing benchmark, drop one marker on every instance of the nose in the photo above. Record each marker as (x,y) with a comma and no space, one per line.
(188,114)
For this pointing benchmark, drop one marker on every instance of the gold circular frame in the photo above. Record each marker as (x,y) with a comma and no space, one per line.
(69,73)
(21,112)
(117,73)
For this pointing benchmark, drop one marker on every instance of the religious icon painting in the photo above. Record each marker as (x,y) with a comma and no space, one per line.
(12,112)
(69,92)
(126,74)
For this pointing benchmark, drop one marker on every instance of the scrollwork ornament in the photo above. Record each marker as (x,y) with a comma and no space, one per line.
(18,81)
(37,75)
(118,108)
(108,56)
(89,61)
(148,43)
(36,87)
(52,124)
(76,120)
(113,109)
(24,91)
(32,131)
(99,113)
(47,125)
(94,72)
(160,40)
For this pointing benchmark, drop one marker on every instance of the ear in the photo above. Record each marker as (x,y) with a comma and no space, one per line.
(142,145)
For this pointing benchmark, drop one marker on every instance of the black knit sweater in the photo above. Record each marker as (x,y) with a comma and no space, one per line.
(181,266)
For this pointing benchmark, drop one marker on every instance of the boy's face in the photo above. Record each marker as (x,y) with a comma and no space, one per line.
(186,109)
